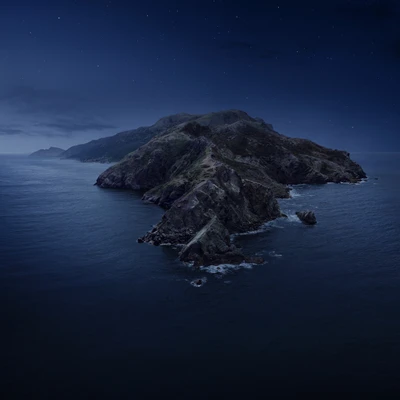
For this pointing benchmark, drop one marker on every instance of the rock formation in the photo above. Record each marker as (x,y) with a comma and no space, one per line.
(219,174)
(307,217)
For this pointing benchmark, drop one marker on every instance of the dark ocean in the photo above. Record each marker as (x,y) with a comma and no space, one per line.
(88,313)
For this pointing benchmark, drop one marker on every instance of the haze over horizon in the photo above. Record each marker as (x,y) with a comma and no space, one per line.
(75,71)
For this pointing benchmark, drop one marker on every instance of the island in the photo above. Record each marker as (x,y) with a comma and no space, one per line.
(220,174)
(50,152)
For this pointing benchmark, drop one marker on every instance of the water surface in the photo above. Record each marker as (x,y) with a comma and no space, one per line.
(89,313)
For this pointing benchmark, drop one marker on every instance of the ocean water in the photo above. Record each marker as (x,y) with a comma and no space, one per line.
(86,312)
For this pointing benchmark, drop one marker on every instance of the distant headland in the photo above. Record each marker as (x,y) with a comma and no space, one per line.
(50,152)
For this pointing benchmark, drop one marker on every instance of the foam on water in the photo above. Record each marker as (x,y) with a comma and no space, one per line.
(199,282)
(276,223)
(293,218)
(364,180)
(224,269)
(294,193)
(273,253)
(262,229)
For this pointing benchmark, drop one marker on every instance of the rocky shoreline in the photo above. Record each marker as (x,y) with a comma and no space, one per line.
(219,174)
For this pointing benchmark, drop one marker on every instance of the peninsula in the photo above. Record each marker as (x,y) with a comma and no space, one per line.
(50,152)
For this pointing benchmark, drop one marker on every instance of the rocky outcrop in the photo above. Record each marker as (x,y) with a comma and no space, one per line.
(307,217)
(50,152)
(211,245)
(219,174)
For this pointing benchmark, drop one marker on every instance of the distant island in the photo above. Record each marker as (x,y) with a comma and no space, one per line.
(50,152)
(114,148)
(215,175)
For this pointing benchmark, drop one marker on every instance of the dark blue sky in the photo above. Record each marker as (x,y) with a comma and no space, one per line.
(71,71)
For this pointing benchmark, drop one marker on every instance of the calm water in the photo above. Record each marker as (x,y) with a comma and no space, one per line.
(86,312)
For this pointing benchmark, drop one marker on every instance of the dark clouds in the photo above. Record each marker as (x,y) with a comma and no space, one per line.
(32,100)
(66,126)
(49,112)
(7,130)
(58,128)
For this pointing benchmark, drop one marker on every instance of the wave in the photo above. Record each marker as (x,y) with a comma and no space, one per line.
(275,223)
(262,229)
(293,218)
(198,282)
(273,253)
(294,193)
(363,180)
(224,269)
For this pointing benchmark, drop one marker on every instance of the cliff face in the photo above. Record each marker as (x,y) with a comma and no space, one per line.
(219,174)
(50,152)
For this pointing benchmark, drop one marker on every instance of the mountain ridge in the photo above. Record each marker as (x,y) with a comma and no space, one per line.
(114,148)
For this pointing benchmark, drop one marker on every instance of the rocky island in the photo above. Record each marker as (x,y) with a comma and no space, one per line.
(219,174)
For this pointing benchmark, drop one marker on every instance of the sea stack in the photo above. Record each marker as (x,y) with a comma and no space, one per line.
(307,217)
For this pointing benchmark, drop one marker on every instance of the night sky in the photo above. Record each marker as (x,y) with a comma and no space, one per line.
(72,71)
